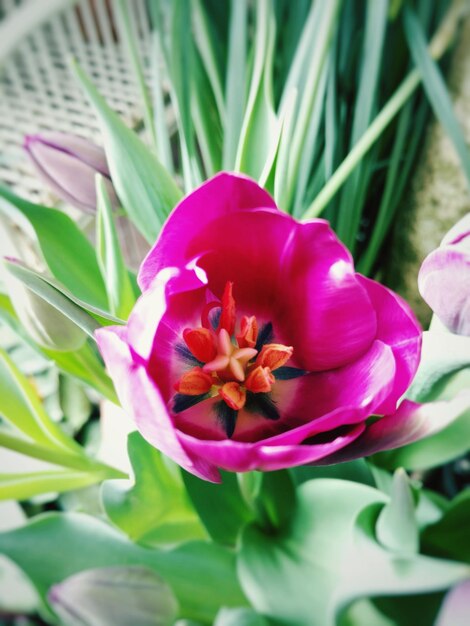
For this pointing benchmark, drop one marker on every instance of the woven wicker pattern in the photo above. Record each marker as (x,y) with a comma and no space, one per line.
(37,91)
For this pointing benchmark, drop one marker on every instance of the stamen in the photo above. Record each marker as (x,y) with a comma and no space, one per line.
(248,332)
(274,355)
(205,318)
(201,343)
(194,383)
(227,318)
(260,380)
(233,395)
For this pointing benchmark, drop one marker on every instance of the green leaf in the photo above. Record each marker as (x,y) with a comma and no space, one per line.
(129,37)
(156,509)
(21,407)
(448,538)
(116,278)
(43,287)
(67,252)
(221,507)
(276,501)
(88,317)
(358,471)
(435,87)
(239,617)
(443,446)
(235,80)
(194,571)
(145,188)
(24,486)
(443,353)
(397,527)
(258,133)
(325,564)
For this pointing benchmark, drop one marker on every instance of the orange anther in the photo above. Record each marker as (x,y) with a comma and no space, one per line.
(194,383)
(227,317)
(274,355)
(233,395)
(201,343)
(248,332)
(259,380)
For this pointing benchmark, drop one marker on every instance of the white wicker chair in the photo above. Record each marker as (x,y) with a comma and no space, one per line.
(37,91)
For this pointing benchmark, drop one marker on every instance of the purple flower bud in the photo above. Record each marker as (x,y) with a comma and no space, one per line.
(444,279)
(67,164)
(114,595)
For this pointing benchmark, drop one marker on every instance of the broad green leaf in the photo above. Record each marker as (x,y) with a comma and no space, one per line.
(442,447)
(358,471)
(397,527)
(145,188)
(448,538)
(276,501)
(67,252)
(443,353)
(435,87)
(201,575)
(221,507)
(156,509)
(325,564)
(17,595)
(121,596)
(24,486)
(239,617)
(113,269)
(21,407)
(74,402)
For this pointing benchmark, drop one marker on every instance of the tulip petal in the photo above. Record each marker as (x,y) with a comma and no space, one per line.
(443,281)
(236,456)
(223,194)
(328,400)
(329,317)
(409,423)
(397,327)
(141,398)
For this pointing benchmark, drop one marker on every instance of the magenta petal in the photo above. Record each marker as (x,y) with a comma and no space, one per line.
(234,456)
(348,395)
(141,399)
(398,328)
(221,195)
(409,423)
(443,281)
(328,313)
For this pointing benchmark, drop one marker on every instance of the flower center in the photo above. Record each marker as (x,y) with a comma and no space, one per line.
(235,362)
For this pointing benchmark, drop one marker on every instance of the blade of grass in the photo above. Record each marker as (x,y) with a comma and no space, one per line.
(439,44)
(235,81)
(259,122)
(162,134)
(326,27)
(435,87)
(24,486)
(352,199)
(127,33)
(210,55)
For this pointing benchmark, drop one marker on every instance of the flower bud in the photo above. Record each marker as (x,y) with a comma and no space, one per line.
(444,279)
(67,164)
(114,595)
(44,324)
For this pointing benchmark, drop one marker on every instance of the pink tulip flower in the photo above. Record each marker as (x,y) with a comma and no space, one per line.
(256,346)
